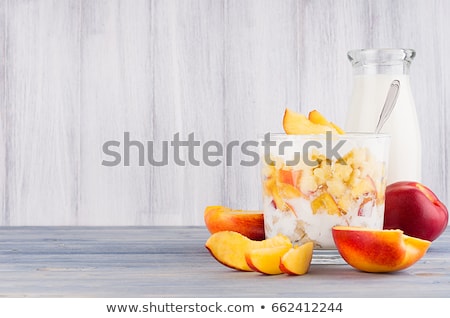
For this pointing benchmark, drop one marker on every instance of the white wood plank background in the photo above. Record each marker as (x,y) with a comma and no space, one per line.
(76,73)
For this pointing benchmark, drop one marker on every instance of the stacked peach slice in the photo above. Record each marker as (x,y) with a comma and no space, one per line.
(238,241)
(275,255)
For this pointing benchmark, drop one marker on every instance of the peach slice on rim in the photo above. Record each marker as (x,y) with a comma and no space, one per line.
(298,124)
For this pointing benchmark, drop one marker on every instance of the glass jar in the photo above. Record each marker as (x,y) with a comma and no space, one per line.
(373,72)
(308,188)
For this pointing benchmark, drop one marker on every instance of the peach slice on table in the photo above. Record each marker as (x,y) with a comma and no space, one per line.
(317,118)
(297,260)
(247,222)
(376,251)
(266,260)
(229,247)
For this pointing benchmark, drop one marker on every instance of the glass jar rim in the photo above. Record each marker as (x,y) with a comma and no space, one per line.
(381,55)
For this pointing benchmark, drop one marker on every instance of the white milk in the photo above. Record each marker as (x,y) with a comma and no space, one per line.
(369,94)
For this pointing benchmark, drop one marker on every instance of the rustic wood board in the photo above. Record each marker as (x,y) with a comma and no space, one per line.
(173,262)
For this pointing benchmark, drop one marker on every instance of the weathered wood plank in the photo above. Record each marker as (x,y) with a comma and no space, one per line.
(261,80)
(4,213)
(116,97)
(40,112)
(188,70)
(172,262)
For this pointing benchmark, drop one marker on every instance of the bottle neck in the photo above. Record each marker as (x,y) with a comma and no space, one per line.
(375,69)
(381,61)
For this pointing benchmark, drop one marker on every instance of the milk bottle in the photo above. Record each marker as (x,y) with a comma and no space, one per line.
(373,72)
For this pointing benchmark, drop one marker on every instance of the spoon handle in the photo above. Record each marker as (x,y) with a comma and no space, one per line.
(389,104)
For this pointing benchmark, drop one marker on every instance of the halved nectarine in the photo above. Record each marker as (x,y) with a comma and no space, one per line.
(266,260)
(297,260)
(372,250)
(229,247)
(247,222)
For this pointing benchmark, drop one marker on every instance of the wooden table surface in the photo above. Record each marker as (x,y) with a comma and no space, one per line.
(173,262)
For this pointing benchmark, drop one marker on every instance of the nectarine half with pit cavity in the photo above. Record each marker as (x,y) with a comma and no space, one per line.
(372,250)
(247,222)
(229,247)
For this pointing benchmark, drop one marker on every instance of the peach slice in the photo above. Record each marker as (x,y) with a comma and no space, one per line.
(229,247)
(298,124)
(266,260)
(280,204)
(280,187)
(325,202)
(297,260)
(372,250)
(247,222)
(317,118)
(288,191)
(286,177)
(290,177)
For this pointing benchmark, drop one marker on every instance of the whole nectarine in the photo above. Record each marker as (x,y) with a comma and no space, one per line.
(415,209)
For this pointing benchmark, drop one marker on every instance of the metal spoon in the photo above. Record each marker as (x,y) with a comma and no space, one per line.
(389,104)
